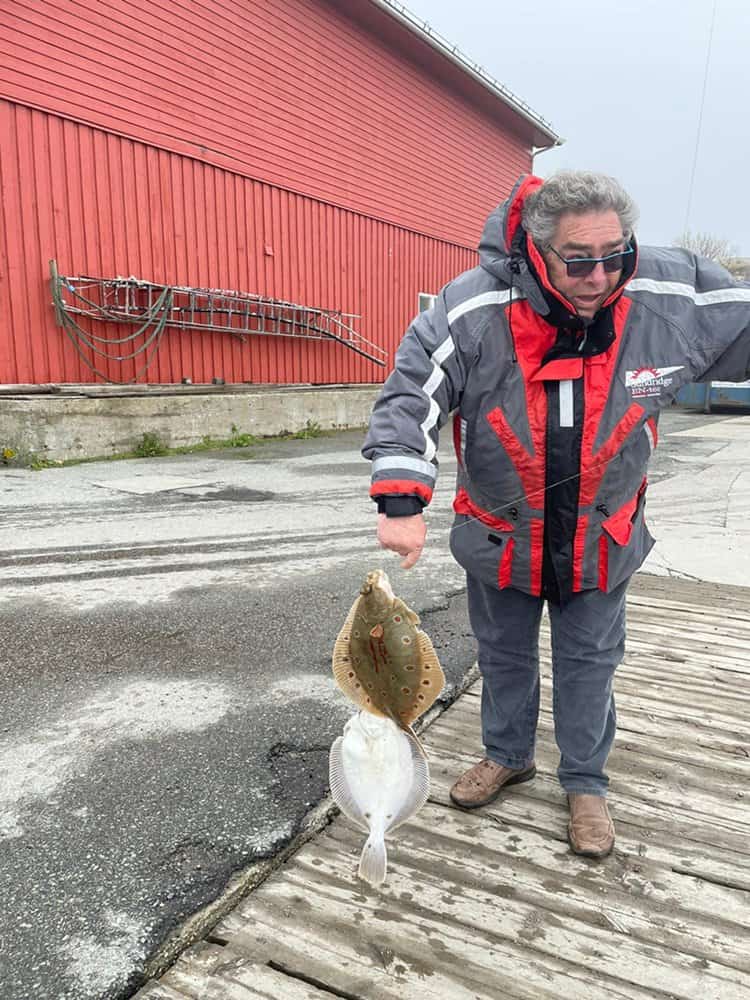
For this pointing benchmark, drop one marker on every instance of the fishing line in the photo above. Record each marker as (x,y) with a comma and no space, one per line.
(528,496)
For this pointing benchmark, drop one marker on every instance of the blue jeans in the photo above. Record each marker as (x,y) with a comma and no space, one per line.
(588,643)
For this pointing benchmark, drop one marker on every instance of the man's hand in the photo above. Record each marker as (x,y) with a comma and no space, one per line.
(404,535)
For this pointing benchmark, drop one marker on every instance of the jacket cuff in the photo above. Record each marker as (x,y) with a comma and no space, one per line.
(399,504)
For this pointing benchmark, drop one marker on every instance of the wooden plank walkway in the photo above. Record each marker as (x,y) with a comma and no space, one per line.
(491,904)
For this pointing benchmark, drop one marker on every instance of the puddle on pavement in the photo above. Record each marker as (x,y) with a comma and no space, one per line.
(234,494)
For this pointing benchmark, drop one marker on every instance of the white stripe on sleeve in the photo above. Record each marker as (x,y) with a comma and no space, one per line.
(485,299)
(386,462)
(433,383)
(687,291)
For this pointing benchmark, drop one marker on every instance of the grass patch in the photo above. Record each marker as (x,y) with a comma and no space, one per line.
(312,429)
(150,446)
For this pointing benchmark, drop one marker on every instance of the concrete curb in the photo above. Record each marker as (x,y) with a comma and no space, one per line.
(103,421)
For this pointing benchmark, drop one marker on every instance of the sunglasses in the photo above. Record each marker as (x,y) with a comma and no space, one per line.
(580,267)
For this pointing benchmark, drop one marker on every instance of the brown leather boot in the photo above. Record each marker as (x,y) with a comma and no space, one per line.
(483,783)
(590,831)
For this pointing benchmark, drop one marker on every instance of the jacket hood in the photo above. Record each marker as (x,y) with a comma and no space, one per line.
(508,253)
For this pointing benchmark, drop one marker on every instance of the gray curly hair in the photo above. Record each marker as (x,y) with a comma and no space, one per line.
(575,191)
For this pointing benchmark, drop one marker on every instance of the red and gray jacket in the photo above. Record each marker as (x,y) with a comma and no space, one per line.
(554,420)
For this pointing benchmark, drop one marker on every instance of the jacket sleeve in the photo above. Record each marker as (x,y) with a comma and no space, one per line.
(722,313)
(415,401)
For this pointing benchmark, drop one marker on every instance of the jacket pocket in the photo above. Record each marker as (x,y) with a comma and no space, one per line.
(486,554)
(624,542)
(619,526)
(463,504)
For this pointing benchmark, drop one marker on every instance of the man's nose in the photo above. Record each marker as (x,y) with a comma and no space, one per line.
(598,275)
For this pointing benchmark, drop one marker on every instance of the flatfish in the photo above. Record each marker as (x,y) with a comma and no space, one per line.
(379,778)
(382,660)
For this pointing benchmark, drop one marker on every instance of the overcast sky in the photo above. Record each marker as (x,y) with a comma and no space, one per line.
(621,82)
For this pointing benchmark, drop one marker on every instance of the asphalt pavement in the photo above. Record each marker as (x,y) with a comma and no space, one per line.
(166,628)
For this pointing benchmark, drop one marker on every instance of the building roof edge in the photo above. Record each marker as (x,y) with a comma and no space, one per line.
(424,31)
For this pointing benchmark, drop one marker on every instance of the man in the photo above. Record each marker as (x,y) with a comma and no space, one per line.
(555,360)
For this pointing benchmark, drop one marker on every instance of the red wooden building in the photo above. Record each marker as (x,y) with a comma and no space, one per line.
(327,153)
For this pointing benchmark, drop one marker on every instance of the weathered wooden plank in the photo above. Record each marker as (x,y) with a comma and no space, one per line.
(543,809)
(715,628)
(649,904)
(687,595)
(229,976)
(643,878)
(693,662)
(662,642)
(698,668)
(732,611)
(470,928)
(654,821)
(393,949)
(337,944)
(658,625)
(157,990)
(711,680)
(633,698)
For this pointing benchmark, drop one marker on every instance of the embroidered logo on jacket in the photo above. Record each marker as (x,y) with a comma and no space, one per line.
(650,381)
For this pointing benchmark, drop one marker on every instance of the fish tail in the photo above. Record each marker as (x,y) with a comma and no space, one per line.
(372,864)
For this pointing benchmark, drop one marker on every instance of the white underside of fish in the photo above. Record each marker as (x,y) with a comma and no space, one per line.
(379,778)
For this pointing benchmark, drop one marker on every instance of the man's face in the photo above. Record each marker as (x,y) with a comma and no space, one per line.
(590,234)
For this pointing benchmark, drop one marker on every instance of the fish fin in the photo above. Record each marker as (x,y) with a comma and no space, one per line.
(425,686)
(430,658)
(420,785)
(373,862)
(340,790)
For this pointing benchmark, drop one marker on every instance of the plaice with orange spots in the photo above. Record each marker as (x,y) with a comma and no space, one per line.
(382,660)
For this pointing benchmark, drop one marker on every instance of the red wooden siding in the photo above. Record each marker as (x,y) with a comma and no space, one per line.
(297,93)
(104,205)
